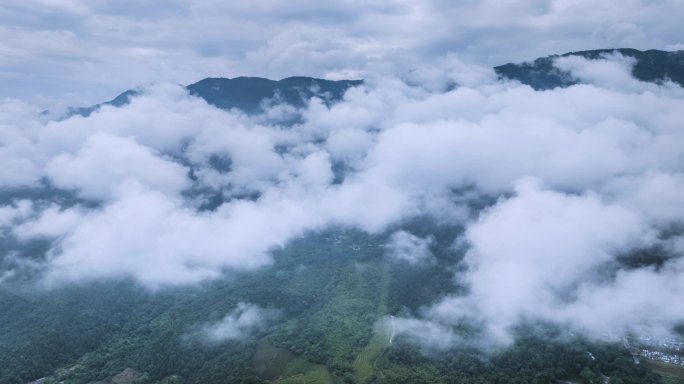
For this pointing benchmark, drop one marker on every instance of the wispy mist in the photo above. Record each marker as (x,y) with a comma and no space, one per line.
(239,324)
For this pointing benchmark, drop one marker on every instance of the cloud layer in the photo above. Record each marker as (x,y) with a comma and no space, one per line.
(170,190)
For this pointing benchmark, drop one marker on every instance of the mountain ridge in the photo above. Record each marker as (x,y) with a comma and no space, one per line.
(651,65)
(247,93)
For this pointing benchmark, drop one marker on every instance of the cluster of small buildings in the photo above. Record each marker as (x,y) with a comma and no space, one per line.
(662,356)
(667,350)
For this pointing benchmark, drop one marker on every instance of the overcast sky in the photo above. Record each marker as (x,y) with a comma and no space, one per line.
(83,51)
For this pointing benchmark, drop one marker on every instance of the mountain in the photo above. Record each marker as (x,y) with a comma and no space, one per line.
(119,101)
(248,93)
(652,65)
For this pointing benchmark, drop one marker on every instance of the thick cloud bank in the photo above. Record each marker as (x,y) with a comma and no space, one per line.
(170,190)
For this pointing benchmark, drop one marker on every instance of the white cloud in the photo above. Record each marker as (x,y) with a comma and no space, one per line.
(656,195)
(428,334)
(540,255)
(409,248)
(614,71)
(105,162)
(675,47)
(159,241)
(16,211)
(239,324)
(18,121)
(637,301)
(52,222)
(349,143)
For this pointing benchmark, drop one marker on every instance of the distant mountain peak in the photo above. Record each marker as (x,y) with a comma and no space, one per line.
(247,93)
(122,99)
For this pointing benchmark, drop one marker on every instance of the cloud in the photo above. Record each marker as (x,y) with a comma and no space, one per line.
(105,162)
(159,241)
(239,324)
(52,222)
(428,334)
(675,47)
(169,190)
(17,123)
(87,51)
(15,211)
(636,302)
(531,254)
(653,194)
(404,246)
(614,71)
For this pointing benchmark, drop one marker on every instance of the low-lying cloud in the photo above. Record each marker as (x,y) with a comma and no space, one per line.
(242,322)
(404,246)
(581,178)
(540,255)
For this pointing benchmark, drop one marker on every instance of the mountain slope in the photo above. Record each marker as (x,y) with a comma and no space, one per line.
(247,93)
(652,65)
(123,99)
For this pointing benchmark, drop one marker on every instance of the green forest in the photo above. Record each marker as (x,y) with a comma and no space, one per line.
(335,291)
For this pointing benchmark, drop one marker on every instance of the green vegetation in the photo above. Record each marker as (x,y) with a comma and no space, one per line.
(532,359)
(336,332)
(336,290)
(282,366)
(365,363)
(671,374)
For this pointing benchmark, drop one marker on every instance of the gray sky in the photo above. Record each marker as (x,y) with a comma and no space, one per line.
(78,52)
